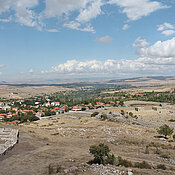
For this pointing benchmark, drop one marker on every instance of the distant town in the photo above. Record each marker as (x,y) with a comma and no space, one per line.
(15,111)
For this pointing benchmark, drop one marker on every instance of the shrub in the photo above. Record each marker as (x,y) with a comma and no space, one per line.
(94,114)
(110,159)
(103,116)
(147,149)
(174,137)
(131,114)
(165,156)
(58,169)
(161,166)
(165,130)
(50,169)
(122,112)
(157,151)
(143,165)
(124,162)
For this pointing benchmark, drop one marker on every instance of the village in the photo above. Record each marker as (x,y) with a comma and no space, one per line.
(15,111)
(10,111)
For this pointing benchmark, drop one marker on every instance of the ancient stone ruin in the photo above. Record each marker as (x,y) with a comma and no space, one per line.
(8,139)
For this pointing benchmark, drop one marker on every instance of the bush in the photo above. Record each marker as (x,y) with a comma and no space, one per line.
(122,112)
(54,169)
(147,149)
(131,114)
(161,166)
(165,130)
(124,162)
(174,137)
(50,169)
(143,165)
(103,117)
(101,154)
(110,159)
(94,114)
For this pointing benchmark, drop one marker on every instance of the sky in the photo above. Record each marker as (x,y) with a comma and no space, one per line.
(60,40)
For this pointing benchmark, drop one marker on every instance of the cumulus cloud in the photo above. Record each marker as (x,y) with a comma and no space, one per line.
(95,66)
(158,58)
(103,40)
(161,49)
(135,9)
(113,67)
(166,29)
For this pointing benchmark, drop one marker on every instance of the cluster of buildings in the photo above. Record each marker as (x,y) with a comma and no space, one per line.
(10,109)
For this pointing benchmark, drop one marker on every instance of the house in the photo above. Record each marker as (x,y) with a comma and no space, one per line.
(77,108)
(55,103)
(6,107)
(15,109)
(46,104)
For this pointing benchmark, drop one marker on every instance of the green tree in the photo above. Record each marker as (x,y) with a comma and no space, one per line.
(101,154)
(165,130)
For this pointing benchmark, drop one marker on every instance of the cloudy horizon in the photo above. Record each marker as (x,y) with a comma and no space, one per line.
(86,39)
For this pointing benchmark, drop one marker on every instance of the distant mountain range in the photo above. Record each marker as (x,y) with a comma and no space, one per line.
(149,79)
(143,79)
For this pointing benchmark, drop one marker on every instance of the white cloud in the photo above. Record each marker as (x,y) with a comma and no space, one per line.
(103,40)
(161,49)
(95,66)
(165,26)
(23,11)
(125,27)
(56,8)
(158,58)
(166,29)
(77,26)
(140,43)
(113,67)
(90,12)
(135,9)
(168,32)
(0,73)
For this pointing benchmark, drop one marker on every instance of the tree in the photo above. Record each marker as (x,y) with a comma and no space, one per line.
(165,130)
(101,154)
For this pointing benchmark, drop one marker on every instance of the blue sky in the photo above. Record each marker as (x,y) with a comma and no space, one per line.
(66,39)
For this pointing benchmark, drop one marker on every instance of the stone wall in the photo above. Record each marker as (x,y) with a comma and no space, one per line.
(10,138)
